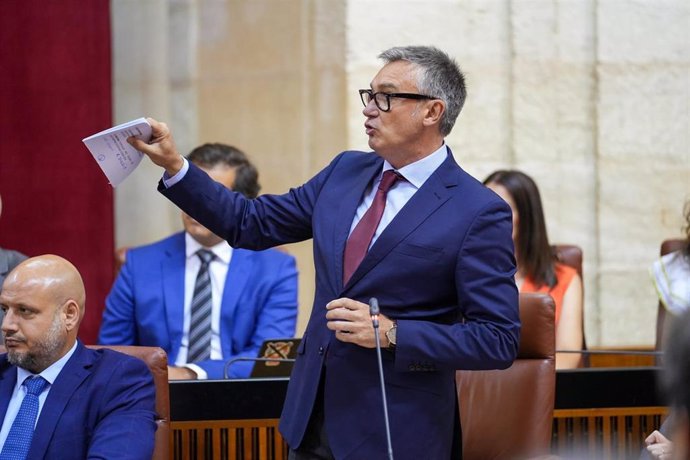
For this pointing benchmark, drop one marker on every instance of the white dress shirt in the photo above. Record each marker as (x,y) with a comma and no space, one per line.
(671,275)
(218,271)
(415,175)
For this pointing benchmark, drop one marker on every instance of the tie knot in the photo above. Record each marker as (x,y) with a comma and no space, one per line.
(389,178)
(206,256)
(35,385)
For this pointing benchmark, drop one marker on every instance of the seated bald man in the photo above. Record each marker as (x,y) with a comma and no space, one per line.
(58,399)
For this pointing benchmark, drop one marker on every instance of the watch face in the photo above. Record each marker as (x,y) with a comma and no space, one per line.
(390,333)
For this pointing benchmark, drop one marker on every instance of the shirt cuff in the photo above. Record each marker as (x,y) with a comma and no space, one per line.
(170,181)
(200,373)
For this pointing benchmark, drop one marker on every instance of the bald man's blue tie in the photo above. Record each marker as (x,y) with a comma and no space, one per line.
(21,432)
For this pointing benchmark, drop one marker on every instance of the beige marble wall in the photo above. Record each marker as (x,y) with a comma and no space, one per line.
(643,155)
(590,97)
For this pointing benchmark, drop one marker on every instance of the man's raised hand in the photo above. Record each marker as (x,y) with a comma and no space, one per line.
(161,148)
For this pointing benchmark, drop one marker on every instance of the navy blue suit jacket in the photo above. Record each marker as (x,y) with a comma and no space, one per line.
(146,304)
(101,406)
(443,268)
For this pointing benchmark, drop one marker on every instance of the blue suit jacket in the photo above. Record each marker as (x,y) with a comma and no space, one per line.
(443,268)
(102,405)
(146,303)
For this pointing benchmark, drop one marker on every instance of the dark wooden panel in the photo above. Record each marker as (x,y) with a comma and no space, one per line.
(263,398)
(599,411)
(227,399)
(607,387)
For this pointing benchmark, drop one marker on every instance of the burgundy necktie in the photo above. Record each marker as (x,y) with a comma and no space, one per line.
(360,238)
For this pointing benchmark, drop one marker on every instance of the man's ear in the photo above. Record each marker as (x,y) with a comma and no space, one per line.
(71,311)
(435,110)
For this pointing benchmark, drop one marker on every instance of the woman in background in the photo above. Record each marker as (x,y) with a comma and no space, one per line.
(671,276)
(537,267)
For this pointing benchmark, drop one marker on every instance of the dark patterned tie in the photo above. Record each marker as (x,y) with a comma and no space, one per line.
(200,323)
(21,432)
(360,238)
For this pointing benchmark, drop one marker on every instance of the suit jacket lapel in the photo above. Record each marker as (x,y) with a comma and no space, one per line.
(238,275)
(8,379)
(76,370)
(435,191)
(346,213)
(173,279)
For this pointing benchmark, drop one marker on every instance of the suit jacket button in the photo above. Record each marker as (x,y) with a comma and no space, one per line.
(320,350)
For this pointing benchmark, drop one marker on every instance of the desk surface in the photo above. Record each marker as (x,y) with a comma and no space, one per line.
(263,398)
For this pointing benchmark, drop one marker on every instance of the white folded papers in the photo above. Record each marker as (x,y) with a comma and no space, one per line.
(113,153)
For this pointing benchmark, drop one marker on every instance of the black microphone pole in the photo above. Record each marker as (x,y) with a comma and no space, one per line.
(374,312)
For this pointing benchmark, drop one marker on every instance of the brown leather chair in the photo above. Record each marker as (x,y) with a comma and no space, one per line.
(507,414)
(157,361)
(119,258)
(571,255)
(667,247)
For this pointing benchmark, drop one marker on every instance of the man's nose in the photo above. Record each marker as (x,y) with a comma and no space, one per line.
(370,109)
(8,322)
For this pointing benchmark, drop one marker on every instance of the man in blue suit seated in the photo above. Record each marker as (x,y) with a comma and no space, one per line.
(402,223)
(247,296)
(58,399)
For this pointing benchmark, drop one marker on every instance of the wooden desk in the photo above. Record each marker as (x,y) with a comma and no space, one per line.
(617,357)
(605,412)
(227,419)
(600,413)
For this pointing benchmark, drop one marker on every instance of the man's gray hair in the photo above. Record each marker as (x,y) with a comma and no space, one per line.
(439,76)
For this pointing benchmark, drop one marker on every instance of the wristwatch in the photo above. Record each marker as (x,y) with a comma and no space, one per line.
(391,336)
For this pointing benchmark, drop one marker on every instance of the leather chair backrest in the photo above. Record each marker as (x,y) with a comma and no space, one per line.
(667,247)
(507,414)
(672,245)
(119,258)
(571,255)
(157,361)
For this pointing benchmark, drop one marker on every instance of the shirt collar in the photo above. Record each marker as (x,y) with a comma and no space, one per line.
(222,250)
(418,172)
(51,372)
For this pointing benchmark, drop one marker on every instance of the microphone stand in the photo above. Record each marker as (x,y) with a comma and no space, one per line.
(374,312)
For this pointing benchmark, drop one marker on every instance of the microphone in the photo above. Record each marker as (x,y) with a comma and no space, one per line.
(374,312)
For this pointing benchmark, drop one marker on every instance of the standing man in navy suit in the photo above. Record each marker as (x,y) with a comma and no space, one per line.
(440,262)
(254,293)
(86,403)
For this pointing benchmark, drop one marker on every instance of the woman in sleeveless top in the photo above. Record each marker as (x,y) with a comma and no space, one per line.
(671,274)
(537,268)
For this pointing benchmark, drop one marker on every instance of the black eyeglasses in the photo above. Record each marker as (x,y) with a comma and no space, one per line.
(383,100)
